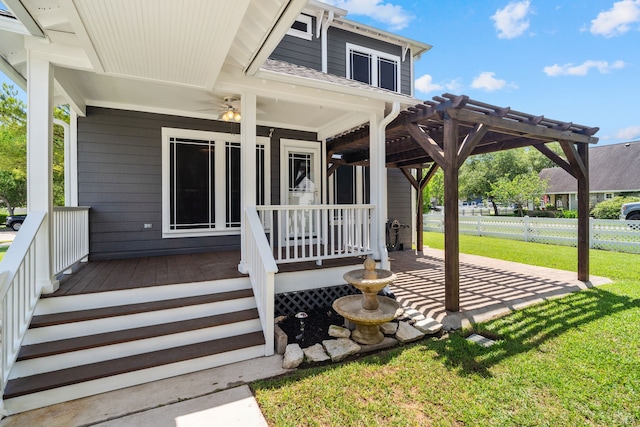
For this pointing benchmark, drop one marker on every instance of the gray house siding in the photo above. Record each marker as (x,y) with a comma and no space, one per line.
(120,178)
(337,40)
(295,50)
(399,203)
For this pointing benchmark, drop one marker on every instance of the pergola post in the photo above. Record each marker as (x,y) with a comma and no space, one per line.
(451,226)
(420,212)
(583,215)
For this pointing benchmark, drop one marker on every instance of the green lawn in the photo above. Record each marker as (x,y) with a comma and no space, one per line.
(567,362)
(3,250)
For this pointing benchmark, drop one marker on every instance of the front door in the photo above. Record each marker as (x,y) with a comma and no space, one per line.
(300,166)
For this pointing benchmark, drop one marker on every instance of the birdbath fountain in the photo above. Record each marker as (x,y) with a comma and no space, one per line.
(368,311)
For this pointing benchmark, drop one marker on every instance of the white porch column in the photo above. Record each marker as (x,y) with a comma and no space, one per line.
(248,175)
(71,162)
(39,164)
(378,189)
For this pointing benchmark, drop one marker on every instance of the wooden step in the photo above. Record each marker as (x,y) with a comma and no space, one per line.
(50,348)
(64,377)
(99,313)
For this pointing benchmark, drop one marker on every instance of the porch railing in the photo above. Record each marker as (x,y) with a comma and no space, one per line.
(70,236)
(19,290)
(262,269)
(317,232)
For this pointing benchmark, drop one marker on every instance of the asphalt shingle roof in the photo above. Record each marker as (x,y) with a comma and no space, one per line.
(612,168)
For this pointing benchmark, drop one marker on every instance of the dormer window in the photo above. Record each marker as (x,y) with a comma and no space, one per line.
(302,27)
(373,67)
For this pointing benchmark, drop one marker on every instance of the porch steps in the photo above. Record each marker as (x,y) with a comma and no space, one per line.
(69,353)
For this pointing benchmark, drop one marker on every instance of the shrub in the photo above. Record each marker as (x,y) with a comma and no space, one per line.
(3,219)
(610,209)
(570,214)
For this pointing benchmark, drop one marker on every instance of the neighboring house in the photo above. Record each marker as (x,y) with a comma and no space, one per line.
(193,124)
(612,171)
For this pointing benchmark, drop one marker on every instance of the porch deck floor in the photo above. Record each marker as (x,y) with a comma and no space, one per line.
(132,273)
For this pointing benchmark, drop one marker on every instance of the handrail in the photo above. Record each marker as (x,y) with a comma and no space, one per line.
(19,291)
(70,236)
(262,268)
(299,233)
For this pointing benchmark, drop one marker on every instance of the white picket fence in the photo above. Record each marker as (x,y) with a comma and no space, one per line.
(606,234)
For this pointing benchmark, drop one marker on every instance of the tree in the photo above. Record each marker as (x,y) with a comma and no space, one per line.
(610,209)
(519,190)
(13,150)
(479,173)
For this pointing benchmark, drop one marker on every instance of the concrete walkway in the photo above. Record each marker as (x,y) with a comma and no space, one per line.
(220,396)
(215,397)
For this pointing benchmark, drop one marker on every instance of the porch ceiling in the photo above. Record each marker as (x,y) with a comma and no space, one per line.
(483,128)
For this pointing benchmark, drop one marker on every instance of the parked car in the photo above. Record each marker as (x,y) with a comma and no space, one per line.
(630,211)
(15,221)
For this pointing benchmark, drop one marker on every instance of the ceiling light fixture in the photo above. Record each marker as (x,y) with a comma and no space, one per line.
(231,113)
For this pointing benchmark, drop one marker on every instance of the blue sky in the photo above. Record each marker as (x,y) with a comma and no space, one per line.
(569,60)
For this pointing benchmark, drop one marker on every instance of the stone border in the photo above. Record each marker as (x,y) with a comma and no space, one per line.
(411,326)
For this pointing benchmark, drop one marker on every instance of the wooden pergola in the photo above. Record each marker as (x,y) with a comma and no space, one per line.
(443,133)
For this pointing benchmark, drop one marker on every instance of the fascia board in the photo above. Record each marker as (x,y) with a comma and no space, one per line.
(334,87)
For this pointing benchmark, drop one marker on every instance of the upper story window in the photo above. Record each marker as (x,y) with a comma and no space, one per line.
(373,67)
(302,27)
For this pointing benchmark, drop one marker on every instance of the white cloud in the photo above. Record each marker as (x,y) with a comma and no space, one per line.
(425,84)
(581,70)
(616,20)
(488,82)
(511,21)
(630,133)
(393,15)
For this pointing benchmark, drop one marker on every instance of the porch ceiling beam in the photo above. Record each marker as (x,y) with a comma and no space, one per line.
(22,14)
(334,146)
(428,144)
(414,183)
(334,167)
(555,158)
(71,94)
(574,159)
(430,173)
(470,142)
(524,129)
(69,9)
(412,155)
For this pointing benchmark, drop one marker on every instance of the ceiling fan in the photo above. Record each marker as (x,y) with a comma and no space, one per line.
(230,109)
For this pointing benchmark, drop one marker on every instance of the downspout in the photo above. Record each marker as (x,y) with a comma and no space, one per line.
(326,23)
(382,205)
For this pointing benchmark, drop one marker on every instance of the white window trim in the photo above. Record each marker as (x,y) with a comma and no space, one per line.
(608,196)
(307,35)
(375,55)
(221,140)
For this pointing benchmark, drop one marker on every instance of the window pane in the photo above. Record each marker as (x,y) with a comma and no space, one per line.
(361,67)
(344,185)
(190,189)
(300,26)
(233,184)
(387,74)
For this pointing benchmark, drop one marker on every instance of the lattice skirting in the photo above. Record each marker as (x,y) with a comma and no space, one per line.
(293,302)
